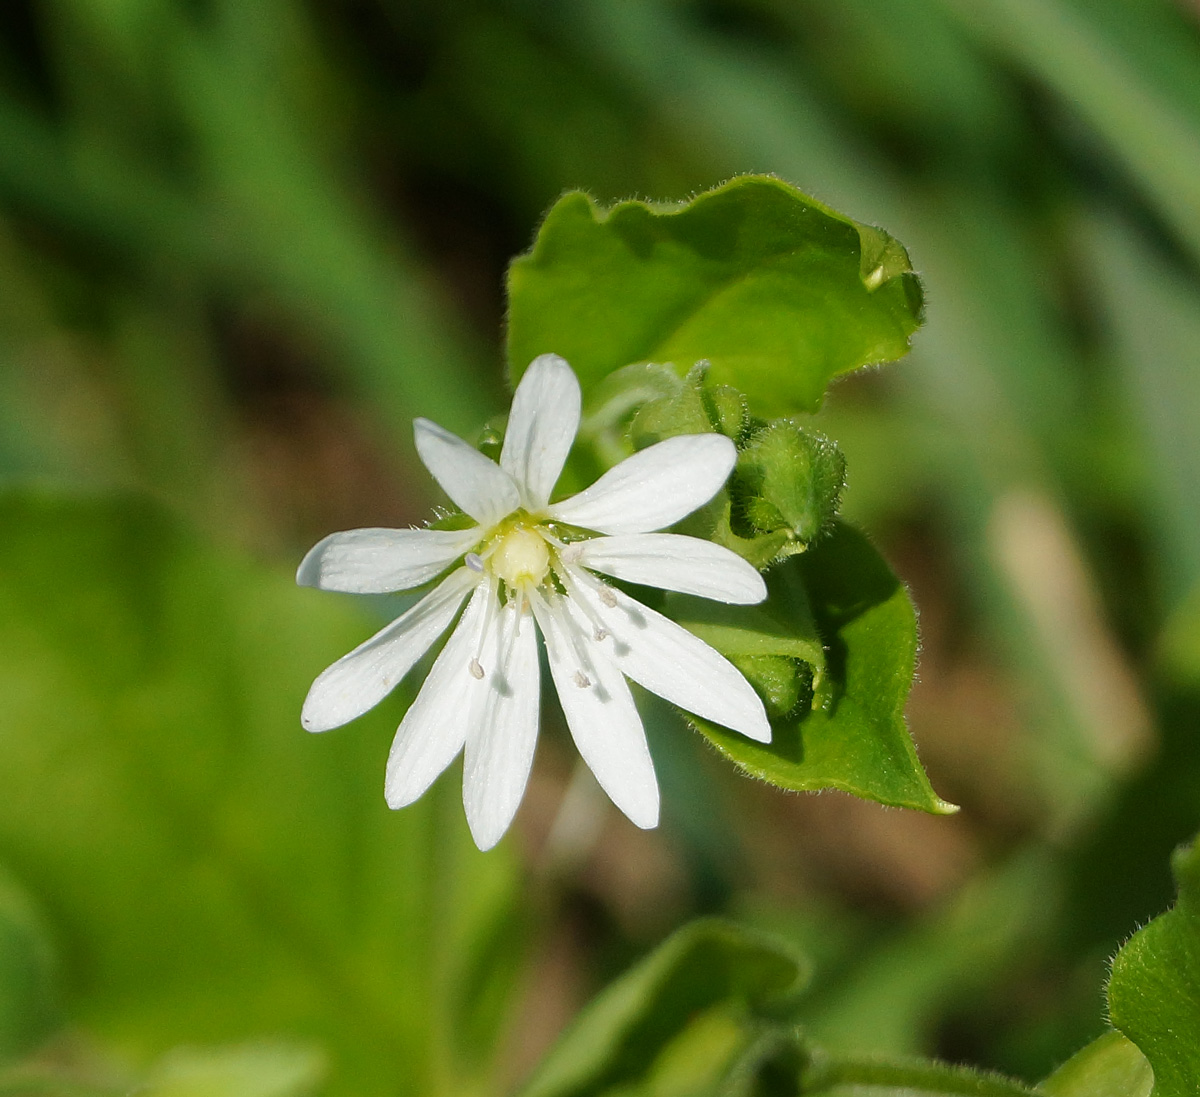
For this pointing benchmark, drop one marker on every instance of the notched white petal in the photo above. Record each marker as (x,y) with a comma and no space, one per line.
(541,428)
(654,488)
(435,727)
(673,562)
(501,739)
(377,561)
(600,712)
(476,484)
(359,681)
(668,660)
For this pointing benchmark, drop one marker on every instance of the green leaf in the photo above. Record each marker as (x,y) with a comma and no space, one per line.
(1154,991)
(682,1017)
(255,1070)
(857,740)
(1108,1067)
(214,873)
(263,1069)
(778,292)
(832,1077)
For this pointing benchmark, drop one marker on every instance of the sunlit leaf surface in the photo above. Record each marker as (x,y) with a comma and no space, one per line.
(777,291)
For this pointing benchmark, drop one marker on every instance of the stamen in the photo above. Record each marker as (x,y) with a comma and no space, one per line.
(489,613)
(607,597)
(574,636)
(570,553)
(474,561)
(569,578)
(600,634)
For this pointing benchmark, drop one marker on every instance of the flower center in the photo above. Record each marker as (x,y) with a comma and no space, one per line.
(521,558)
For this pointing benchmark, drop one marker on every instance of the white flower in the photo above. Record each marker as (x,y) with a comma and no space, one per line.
(528,560)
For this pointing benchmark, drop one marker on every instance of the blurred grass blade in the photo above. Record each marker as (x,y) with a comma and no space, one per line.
(1158,142)
(1154,310)
(29,992)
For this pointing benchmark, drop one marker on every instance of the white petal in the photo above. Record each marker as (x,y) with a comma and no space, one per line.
(671,562)
(476,484)
(541,428)
(654,488)
(501,738)
(376,561)
(435,727)
(600,712)
(668,660)
(359,681)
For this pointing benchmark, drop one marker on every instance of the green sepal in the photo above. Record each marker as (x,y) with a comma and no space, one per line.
(854,735)
(788,478)
(770,643)
(1154,990)
(682,410)
(785,684)
(667,406)
(780,293)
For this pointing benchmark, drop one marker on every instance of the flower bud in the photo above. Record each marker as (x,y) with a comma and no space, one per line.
(784,684)
(790,478)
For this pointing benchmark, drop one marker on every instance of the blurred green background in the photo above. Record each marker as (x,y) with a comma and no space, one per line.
(244,242)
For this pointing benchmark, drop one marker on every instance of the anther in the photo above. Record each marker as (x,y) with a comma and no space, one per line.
(476,669)
(600,634)
(474,561)
(608,598)
(571,553)
(582,680)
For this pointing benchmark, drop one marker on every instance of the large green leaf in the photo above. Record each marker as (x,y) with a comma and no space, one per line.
(854,735)
(780,293)
(681,1020)
(1154,992)
(210,872)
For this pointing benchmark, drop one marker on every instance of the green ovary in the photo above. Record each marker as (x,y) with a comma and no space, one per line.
(521,558)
